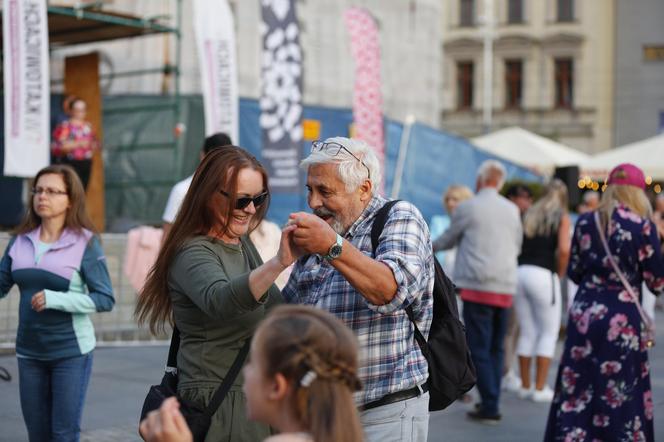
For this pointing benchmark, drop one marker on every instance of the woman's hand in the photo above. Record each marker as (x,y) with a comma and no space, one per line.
(165,424)
(288,252)
(38,301)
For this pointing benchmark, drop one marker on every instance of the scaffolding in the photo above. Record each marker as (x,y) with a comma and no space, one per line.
(90,22)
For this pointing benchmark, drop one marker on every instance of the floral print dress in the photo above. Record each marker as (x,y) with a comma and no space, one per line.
(603,384)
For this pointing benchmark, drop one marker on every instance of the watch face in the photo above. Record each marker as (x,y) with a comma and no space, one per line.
(335,251)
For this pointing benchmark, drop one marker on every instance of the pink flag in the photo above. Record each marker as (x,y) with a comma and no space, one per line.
(367,97)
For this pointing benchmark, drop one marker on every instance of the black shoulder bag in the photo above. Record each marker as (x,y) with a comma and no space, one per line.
(451,370)
(197,418)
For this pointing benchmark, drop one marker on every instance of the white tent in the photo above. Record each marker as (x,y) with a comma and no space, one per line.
(648,154)
(530,150)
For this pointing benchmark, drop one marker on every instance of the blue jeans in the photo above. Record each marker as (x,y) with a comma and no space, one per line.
(485,332)
(404,421)
(52,396)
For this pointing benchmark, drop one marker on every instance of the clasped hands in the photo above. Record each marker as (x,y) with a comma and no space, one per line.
(305,233)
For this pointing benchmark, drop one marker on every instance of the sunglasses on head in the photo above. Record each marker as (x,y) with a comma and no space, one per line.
(244,201)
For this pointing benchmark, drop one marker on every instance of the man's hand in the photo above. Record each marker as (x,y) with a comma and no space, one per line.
(313,234)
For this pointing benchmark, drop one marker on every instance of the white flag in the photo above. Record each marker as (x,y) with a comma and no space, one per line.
(215,39)
(27,93)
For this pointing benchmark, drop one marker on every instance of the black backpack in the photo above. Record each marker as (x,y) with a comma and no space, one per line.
(451,370)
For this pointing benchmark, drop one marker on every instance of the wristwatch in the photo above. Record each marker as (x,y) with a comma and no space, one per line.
(335,249)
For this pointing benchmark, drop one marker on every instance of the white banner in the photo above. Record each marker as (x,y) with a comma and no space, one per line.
(27,93)
(215,39)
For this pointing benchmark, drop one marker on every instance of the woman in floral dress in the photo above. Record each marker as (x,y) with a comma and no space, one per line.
(603,385)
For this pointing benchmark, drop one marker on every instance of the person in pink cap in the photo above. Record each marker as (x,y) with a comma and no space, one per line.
(603,385)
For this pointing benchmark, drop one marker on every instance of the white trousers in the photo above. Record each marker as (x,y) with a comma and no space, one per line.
(538,309)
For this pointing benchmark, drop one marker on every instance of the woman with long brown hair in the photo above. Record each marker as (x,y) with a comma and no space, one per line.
(210,281)
(57,262)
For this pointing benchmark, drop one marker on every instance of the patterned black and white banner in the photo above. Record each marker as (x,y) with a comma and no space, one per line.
(27,83)
(281,95)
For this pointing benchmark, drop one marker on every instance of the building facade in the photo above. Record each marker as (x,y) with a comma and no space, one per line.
(552,68)
(639,73)
(410,40)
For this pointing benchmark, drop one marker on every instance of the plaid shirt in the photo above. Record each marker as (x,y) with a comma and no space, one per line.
(390,359)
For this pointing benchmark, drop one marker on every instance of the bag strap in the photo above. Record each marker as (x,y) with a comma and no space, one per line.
(230,377)
(646,320)
(376,229)
(172,361)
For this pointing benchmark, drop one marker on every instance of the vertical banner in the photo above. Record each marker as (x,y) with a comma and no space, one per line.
(367,96)
(281,95)
(215,40)
(26,84)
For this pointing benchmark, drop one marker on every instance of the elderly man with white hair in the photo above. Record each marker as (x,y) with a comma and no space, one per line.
(487,232)
(369,290)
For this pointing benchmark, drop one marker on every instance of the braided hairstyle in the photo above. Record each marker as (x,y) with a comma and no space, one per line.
(317,354)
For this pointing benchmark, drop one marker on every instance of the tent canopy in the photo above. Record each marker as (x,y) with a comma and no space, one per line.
(530,150)
(647,154)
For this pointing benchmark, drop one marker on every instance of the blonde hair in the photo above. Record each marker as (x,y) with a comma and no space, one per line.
(459,191)
(631,196)
(318,354)
(543,218)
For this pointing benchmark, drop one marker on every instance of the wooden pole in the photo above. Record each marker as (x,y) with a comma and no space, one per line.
(82,80)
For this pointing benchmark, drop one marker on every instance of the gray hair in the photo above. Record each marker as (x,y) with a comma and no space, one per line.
(492,170)
(351,172)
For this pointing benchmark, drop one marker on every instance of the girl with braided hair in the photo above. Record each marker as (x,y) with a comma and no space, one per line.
(300,379)
(301,375)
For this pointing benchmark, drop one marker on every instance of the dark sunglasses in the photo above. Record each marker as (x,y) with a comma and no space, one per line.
(244,201)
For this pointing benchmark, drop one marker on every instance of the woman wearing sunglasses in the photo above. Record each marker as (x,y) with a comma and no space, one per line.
(210,280)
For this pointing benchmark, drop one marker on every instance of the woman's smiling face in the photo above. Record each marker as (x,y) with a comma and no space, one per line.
(249,184)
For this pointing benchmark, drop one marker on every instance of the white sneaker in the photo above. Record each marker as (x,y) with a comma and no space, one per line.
(543,395)
(511,382)
(525,393)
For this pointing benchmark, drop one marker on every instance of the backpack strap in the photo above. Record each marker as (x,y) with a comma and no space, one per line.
(379,223)
(376,229)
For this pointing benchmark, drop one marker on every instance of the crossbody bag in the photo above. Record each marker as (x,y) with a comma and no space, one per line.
(648,332)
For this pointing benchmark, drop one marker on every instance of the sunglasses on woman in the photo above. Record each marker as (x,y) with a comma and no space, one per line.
(244,201)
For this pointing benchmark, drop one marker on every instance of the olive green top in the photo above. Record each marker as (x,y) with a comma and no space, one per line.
(213,307)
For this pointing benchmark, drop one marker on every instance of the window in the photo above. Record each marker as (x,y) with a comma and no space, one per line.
(564,80)
(513,83)
(464,84)
(515,11)
(467,12)
(565,10)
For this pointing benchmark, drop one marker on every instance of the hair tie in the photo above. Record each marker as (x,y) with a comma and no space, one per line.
(308,378)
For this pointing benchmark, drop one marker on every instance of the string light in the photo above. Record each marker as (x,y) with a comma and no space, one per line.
(581,184)
(648,180)
(657,188)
